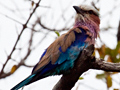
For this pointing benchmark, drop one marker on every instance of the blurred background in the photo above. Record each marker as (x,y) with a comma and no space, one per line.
(28,28)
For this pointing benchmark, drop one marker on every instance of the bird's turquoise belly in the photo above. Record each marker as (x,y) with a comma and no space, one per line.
(70,55)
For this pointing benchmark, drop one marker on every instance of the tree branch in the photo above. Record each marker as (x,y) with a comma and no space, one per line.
(84,62)
(14,47)
(118,34)
(50,29)
(100,64)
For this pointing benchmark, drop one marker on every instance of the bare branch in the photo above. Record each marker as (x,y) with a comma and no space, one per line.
(11,18)
(40,5)
(118,34)
(93,4)
(45,27)
(24,27)
(28,65)
(100,64)
(84,62)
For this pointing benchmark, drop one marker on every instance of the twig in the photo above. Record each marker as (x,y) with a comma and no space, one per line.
(24,27)
(11,18)
(45,27)
(100,64)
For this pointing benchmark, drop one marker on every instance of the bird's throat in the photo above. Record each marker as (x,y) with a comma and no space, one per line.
(90,25)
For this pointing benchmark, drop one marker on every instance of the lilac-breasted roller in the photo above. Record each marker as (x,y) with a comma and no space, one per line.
(60,56)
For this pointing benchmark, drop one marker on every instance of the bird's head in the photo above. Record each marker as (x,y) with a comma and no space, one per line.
(88,16)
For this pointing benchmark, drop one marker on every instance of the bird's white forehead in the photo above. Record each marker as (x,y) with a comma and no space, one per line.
(88,8)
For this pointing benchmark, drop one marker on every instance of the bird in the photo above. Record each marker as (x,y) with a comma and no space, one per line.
(60,56)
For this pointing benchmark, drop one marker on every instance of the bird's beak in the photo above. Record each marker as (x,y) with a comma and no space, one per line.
(78,9)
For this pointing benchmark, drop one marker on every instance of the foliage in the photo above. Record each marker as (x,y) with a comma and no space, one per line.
(58,34)
(81,78)
(114,57)
(100,76)
(13,69)
(109,81)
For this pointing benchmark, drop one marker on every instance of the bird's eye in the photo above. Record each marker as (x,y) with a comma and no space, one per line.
(90,12)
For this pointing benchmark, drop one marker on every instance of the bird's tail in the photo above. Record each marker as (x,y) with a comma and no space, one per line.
(24,82)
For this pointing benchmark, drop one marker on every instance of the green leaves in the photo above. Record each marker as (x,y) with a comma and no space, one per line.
(107,77)
(57,33)
(113,53)
(109,81)
(80,78)
(100,76)
(101,51)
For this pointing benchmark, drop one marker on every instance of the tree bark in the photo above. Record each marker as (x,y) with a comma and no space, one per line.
(100,64)
(84,62)
(118,34)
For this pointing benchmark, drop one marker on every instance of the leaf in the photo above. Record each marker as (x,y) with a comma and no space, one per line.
(119,51)
(13,69)
(118,45)
(115,89)
(57,33)
(100,76)
(115,52)
(32,3)
(109,81)
(114,73)
(80,78)
(108,51)
(101,51)
(112,55)
(109,59)
(116,60)
(94,53)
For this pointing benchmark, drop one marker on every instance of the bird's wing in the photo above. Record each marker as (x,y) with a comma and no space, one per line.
(59,46)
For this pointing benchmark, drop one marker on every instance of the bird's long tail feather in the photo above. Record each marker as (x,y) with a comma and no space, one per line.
(24,82)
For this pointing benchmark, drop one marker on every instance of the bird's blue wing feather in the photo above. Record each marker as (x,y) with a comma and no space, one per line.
(24,82)
(68,56)
(59,57)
